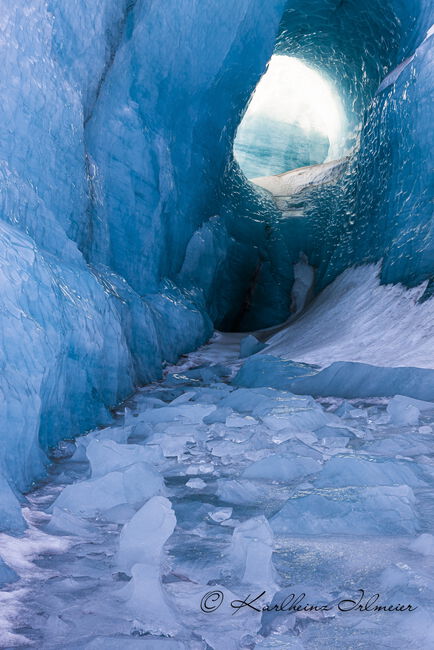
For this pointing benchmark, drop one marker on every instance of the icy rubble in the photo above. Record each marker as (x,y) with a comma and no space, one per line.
(276,490)
(251,553)
(131,485)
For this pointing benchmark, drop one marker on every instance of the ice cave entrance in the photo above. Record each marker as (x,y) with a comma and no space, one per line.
(294,119)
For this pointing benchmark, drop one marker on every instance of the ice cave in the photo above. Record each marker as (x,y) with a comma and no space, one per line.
(217,324)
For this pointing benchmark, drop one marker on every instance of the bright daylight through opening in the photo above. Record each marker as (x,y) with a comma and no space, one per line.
(295,118)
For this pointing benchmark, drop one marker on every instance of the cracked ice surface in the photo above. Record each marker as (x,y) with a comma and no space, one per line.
(207,487)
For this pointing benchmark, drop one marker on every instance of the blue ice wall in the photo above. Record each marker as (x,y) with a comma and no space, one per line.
(394,198)
(161,133)
(116,124)
(380,55)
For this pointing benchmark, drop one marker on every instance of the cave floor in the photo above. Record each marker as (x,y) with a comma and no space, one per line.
(309,501)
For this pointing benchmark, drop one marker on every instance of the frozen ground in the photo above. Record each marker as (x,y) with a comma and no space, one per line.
(204,493)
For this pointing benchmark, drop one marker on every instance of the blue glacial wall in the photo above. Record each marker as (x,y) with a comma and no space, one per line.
(117,120)
(127,231)
(380,55)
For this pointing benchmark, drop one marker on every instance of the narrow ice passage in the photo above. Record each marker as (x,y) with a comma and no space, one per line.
(291,463)
(205,493)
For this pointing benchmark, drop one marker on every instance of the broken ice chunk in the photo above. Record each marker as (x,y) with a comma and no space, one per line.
(250,345)
(245,400)
(423,544)
(381,510)
(283,435)
(184,397)
(114,434)
(239,492)
(200,468)
(422,405)
(107,456)
(251,552)
(349,471)
(65,522)
(403,413)
(146,599)
(142,539)
(219,415)
(237,421)
(140,553)
(132,485)
(196,483)
(281,468)
(303,419)
(404,410)
(221,515)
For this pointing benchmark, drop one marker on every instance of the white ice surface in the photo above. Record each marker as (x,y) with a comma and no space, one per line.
(357,319)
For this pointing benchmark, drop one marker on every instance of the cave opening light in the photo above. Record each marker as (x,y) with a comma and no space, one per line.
(295,118)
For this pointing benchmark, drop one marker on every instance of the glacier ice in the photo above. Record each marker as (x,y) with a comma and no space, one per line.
(250,345)
(308,506)
(423,544)
(251,553)
(128,233)
(349,379)
(108,456)
(125,218)
(142,538)
(366,511)
(131,485)
(277,467)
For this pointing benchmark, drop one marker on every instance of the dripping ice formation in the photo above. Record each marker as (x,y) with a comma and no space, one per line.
(128,233)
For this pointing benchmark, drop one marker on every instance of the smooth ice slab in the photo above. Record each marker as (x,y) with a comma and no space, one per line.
(358,511)
(350,380)
(267,370)
(108,456)
(129,486)
(351,471)
(279,468)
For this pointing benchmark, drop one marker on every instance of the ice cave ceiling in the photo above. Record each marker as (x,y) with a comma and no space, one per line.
(128,230)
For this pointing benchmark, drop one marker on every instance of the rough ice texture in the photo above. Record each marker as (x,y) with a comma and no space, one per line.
(117,123)
(97,151)
(372,321)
